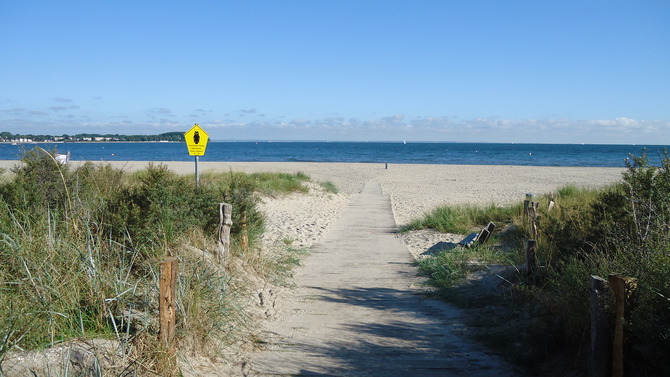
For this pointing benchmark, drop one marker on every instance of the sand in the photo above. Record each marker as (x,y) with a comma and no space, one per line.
(302,220)
(414,190)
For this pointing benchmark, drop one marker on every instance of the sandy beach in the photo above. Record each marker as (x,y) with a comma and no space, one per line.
(414,190)
(302,220)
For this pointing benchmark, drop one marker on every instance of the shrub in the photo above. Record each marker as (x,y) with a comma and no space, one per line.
(80,250)
(623,229)
(39,182)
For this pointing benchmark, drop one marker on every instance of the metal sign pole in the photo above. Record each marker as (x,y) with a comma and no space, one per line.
(196,141)
(197,177)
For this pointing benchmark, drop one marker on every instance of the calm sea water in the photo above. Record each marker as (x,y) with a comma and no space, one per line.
(410,153)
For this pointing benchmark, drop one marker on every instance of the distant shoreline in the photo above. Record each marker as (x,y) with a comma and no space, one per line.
(85,142)
(324,141)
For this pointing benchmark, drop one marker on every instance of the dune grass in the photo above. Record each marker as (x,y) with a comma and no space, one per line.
(81,248)
(464,219)
(621,229)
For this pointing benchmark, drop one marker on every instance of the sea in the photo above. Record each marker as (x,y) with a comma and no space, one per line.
(586,155)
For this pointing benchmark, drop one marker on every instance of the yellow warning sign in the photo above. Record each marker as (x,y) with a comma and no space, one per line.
(196,140)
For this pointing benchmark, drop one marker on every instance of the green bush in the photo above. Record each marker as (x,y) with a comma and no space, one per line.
(80,248)
(623,229)
(161,206)
(39,182)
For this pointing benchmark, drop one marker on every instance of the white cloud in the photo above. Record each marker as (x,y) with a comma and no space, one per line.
(392,127)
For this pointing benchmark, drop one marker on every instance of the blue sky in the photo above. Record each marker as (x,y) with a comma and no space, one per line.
(493,71)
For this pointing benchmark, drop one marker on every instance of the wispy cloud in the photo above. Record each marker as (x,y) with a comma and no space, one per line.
(397,126)
(63,108)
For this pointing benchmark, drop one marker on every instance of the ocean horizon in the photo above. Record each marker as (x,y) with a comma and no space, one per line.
(454,153)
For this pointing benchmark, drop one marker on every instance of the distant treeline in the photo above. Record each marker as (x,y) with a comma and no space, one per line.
(28,138)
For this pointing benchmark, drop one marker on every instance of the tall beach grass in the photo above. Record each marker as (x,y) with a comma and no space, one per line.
(81,249)
(621,229)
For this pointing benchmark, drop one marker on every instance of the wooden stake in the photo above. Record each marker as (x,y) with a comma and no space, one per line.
(624,289)
(225,222)
(601,340)
(166,306)
(531,258)
(526,205)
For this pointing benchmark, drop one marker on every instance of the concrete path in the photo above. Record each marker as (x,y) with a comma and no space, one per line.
(359,309)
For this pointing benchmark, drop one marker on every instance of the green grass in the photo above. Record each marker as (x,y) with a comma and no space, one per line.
(463,219)
(329,187)
(280,183)
(81,248)
(619,229)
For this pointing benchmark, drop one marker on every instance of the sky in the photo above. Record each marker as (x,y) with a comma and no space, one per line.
(534,71)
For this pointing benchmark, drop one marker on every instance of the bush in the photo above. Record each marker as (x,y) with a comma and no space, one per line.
(39,182)
(622,229)
(625,230)
(80,248)
(160,208)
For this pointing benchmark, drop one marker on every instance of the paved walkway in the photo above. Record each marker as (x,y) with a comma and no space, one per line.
(359,309)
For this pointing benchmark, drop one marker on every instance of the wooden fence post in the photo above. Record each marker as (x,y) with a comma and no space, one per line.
(601,340)
(624,289)
(166,307)
(225,222)
(534,207)
(526,206)
(531,258)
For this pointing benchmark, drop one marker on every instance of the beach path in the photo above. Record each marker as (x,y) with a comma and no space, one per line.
(359,309)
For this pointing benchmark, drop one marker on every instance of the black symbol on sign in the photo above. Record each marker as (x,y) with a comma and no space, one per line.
(196,137)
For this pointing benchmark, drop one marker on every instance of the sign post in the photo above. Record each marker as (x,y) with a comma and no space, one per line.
(196,142)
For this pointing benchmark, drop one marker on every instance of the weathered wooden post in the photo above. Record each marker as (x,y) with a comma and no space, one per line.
(166,307)
(531,259)
(552,203)
(601,341)
(533,209)
(624,289)
(526,205)
(225,222)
